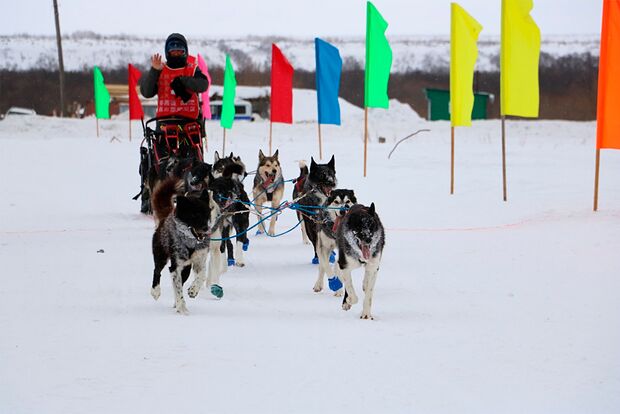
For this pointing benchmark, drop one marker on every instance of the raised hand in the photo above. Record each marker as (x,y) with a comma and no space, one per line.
(156,62)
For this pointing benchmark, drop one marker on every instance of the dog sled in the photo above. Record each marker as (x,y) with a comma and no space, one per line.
(169,142)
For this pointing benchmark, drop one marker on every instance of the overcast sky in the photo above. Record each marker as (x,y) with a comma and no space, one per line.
(298,18)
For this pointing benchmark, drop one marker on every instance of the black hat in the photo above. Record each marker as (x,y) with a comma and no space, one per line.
(176,41)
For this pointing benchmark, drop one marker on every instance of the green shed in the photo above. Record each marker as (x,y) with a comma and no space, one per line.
(439,104)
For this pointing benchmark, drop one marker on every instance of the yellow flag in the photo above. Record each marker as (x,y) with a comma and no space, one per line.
(464,33)
(519,55)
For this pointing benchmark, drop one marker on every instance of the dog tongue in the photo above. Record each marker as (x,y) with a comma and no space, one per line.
(365,251)
(336,224)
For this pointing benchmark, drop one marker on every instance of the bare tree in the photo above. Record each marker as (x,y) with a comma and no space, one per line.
(61,65)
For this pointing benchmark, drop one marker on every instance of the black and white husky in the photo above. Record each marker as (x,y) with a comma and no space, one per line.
(311,190)
(360,240)
(329,219)
(232,167)
(183,237)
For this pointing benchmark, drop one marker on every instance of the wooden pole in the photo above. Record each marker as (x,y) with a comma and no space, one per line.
(365,138)
(452,163)
(320,144)
(270,133)
(598,165)
(129,129)
(504,156)
(97,126)
(224,143)
(61,64)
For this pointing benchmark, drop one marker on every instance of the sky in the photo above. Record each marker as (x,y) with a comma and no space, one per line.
(291,18)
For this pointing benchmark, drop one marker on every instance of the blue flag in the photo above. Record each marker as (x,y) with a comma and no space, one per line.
(328,69)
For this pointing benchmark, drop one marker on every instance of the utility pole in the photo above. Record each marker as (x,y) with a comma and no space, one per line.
(61,65)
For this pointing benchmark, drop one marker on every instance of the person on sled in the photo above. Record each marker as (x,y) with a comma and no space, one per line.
(180,124)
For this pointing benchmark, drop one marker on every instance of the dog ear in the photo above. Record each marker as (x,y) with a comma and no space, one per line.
(312,163)
(275,154)
(217,156)
(261,156)
(352,197)
(231,155)
(371,209)
(332,163)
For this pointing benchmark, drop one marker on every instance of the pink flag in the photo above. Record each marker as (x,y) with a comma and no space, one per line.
(206,105)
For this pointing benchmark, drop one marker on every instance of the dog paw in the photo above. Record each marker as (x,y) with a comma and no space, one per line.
(217,291)
(156,292)
(182,309)
(339,293)
(352,299)
(317,288)
(365,315)
(239,264)
(346,306)
(193,290)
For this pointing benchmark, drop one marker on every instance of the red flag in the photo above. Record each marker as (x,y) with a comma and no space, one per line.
(281,87)
(608,125)
(135,106)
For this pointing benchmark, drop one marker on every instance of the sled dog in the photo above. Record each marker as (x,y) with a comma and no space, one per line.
(360,239)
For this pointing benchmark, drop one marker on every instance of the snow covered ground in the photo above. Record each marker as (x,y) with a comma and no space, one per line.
(481,306)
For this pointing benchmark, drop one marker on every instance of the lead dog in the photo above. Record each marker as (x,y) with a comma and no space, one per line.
(311,190)
(335,208)
(183,237)
(268,186)
(360,240)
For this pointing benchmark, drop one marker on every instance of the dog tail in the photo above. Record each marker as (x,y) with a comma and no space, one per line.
(162,199)
(303,169)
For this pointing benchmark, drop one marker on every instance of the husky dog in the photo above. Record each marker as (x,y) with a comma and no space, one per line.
(328,223)
(228,193)
(183,237)
(195,179)
(220,164)
(312,189)
(360,240)
(268,186)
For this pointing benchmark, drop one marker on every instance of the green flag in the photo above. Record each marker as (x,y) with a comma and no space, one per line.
(228,101)
(102,96)
(378,60)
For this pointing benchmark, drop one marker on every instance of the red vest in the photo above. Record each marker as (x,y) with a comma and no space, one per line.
(168,104)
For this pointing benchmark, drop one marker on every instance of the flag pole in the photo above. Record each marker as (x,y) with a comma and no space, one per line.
(224,143)
(365,138)
(596,174)
(320,144)
(452,163)
(270,133)
(504,155)
(97,126)
(129,129)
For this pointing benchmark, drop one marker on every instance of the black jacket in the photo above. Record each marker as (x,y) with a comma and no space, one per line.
(148,84)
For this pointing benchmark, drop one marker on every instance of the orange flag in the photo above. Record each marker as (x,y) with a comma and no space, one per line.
(608,107)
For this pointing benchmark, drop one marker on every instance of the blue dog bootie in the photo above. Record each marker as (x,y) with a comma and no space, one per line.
(315,260)
(217,291)
(246,245)
(231,262)
(258,233)
(334,283)
(332,257)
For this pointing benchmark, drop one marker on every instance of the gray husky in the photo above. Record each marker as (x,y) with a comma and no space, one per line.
(183,237)
(360,240)
(328,223)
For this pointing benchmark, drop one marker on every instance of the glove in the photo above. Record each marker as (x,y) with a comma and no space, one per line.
(180,90)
